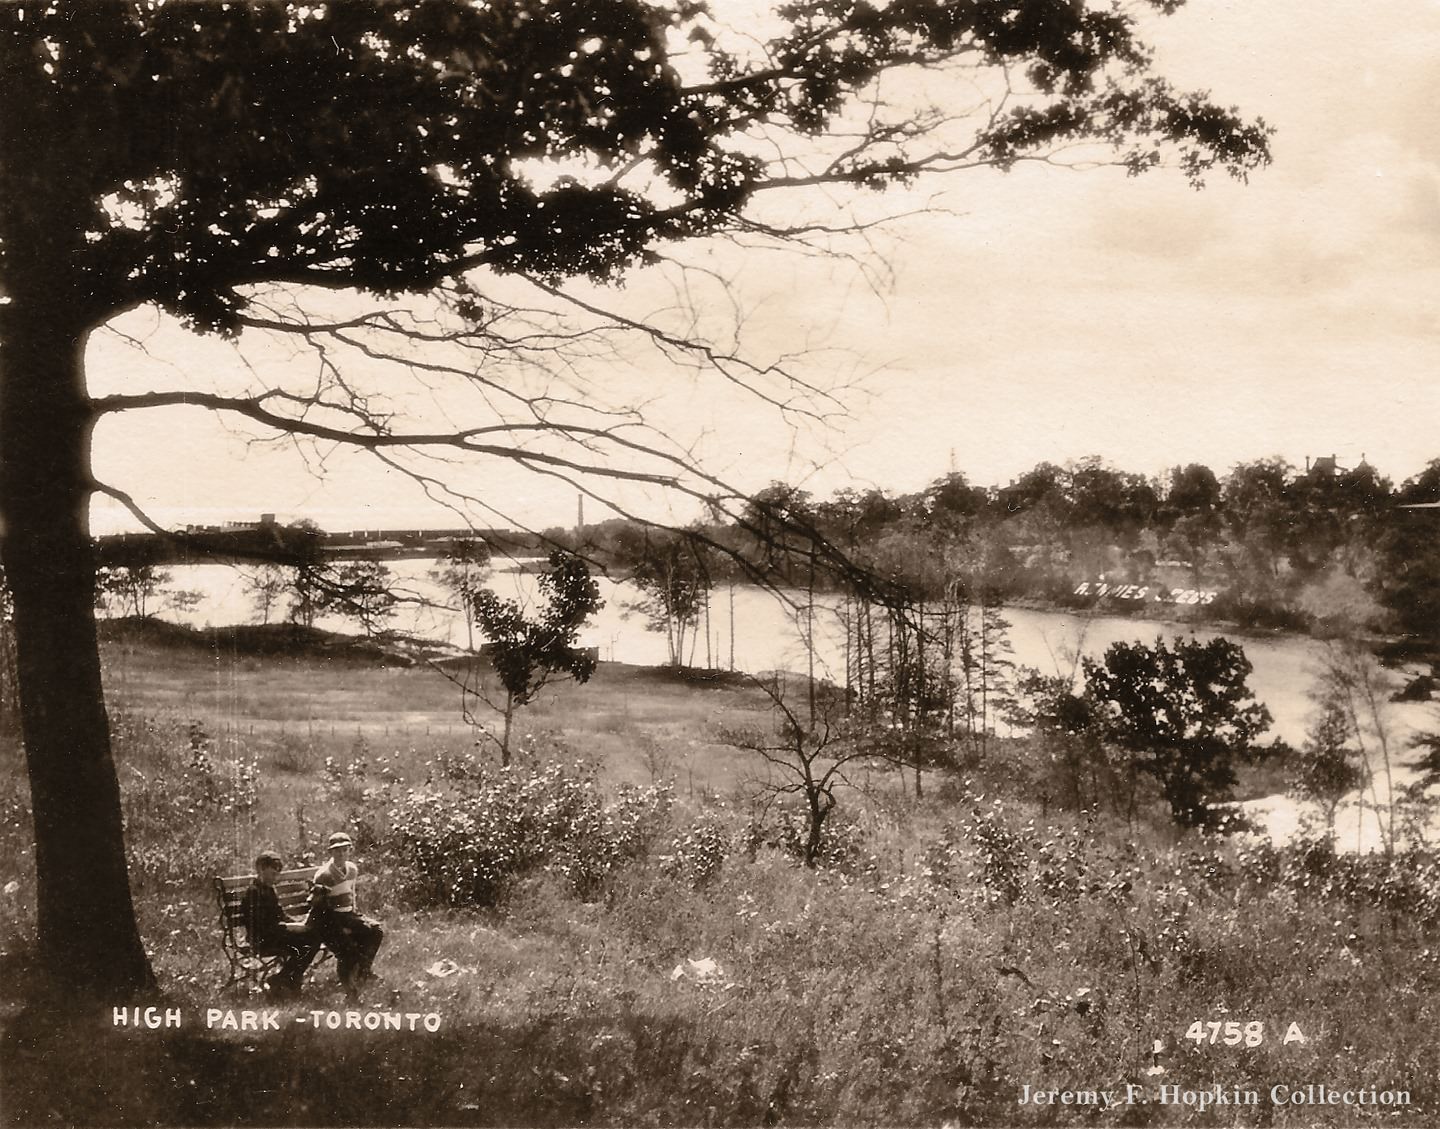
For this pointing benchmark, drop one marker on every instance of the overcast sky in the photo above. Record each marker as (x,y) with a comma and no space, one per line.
(1043,315)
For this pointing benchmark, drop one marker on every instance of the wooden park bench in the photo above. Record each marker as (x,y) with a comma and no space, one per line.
(247,967)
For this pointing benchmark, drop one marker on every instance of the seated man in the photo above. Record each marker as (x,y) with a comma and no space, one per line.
(272,931)
(352,937)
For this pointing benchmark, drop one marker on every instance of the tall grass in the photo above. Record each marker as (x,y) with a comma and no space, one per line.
(948,953)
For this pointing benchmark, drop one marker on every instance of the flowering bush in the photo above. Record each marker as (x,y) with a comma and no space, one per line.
(1004,860)
(347,782)
(698,853)
(465,844)
(1404,883)
(787,829)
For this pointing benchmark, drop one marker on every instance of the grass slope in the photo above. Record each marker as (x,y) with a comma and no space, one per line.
(955,950)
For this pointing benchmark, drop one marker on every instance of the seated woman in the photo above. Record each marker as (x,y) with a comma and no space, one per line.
(352,937)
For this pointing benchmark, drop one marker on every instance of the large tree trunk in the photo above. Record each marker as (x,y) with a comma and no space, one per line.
(87,936)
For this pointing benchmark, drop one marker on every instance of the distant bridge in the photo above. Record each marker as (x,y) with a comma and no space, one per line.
(267,540)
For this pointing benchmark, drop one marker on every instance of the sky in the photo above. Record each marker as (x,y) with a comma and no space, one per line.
(1045,314)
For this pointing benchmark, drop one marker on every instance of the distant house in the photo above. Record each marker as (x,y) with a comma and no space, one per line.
(1327,468)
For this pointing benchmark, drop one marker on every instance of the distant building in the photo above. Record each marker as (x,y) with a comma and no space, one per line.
(1327,468)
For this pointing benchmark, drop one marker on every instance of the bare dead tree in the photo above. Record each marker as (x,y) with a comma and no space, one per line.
(808,755)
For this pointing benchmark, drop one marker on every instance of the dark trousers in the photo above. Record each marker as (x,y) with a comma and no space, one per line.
(296,953)
(354,940)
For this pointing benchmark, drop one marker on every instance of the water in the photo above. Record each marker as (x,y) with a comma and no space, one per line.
(768,632)
(765,632)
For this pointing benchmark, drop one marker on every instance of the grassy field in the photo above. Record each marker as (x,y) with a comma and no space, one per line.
(664,960)
(635,721)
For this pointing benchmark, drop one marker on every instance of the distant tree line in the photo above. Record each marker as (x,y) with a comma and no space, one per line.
(1267,544)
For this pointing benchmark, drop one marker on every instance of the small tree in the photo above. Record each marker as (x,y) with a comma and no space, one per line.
(1067,728)
(673,576)
(459,573)
(265,586)
(1186,714)
(1359,689)
(306,591)
(916,692)
(1327,765)
(183,601)
(360,590)
(985,686)
(461,569)
(525,653)
(129,588)
(809,759)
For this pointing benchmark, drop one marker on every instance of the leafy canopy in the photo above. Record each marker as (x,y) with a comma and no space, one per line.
(180,153)
(1187,714)
(525,652)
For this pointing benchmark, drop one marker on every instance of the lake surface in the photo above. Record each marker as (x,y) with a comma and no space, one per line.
(753,630)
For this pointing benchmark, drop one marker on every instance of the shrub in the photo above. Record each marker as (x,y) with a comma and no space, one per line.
(293,756)
(637,816)
(698,853)
(348,782)
(452,766)
(173,789)
(991,859)
(174,778)
(787,830)
(465,844)
(1405,884)
(1004,860)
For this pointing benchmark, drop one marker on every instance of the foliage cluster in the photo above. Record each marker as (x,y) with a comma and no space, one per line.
(958,947)
(994,950)
(467,843)
(1180,713)
(177,782)
(1273,545)
(1184,713)
(526,651)
(362,591)
(1404,885)
(786,831)
(697,852)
